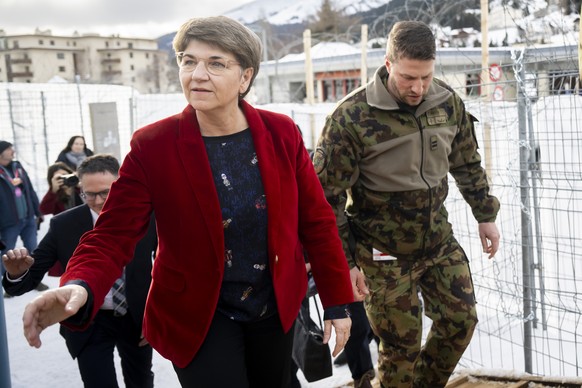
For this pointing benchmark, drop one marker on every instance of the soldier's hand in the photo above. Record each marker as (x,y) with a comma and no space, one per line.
(17,262)
(50,307)
(359,286)
(489,236)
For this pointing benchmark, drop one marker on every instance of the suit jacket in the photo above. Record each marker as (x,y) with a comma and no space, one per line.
(167,170)
(60,242)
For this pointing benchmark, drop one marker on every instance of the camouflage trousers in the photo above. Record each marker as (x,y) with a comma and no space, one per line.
(395,309)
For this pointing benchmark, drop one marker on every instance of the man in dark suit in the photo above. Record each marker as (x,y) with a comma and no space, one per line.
(93,348)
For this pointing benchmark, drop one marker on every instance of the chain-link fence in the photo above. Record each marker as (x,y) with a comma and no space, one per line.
(530,300)
(529,297)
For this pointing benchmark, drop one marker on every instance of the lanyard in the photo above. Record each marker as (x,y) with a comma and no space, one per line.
(16,181)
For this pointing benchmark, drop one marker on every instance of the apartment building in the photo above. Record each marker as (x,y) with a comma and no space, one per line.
(88,58)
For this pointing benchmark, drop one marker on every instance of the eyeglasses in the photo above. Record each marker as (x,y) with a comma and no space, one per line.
(213,65)
(92,196)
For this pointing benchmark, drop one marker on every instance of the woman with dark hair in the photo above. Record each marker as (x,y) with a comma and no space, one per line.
(75,152)
(63,194)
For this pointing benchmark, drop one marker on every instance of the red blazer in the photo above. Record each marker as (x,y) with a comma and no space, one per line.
(167,171)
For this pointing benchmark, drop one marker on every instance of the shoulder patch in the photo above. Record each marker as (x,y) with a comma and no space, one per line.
(319,160)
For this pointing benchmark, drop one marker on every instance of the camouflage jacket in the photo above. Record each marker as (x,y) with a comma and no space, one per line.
(386,168)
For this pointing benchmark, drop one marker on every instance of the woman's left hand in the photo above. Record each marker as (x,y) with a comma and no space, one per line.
(342,333)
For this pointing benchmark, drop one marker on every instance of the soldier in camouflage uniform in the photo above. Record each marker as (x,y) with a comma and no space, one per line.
(383,159)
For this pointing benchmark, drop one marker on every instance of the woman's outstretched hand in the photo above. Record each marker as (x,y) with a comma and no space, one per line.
(51,307)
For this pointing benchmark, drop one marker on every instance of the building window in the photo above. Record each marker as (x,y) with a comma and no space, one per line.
(74,43)
(15,44)
(352,84)
(131,67)
(40,41)
(130,45)
(106,44)
(52,42)
(563,82)
(147,55)
(60,56)
(472,85)
(297,92)
(62,69)
(131,55)
(108,55)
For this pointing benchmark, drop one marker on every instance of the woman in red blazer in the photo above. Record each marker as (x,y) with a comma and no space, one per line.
(236,200)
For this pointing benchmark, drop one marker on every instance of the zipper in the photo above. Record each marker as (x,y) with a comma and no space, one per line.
(429,208)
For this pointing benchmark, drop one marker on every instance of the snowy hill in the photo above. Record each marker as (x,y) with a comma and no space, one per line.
(535,22)
(280,12)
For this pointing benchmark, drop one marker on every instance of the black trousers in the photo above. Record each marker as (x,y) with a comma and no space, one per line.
(96,359)
(240,355)
(358,346)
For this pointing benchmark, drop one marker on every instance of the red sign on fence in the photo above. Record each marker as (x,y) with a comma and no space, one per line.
(495,72)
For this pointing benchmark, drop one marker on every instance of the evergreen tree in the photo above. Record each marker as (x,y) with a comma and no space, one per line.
(329,22)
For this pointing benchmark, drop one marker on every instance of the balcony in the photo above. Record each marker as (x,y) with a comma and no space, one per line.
(110,73)
(21,61)
(27,74)
(110,60)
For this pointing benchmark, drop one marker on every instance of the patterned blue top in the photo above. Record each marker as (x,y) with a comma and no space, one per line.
(247,289)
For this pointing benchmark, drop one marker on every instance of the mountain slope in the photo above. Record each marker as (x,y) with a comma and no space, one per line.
(281,12)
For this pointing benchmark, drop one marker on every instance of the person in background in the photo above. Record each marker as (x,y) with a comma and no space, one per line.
(236,199)
(75,152)
(19,212)
(383,160)
(118,321)
(63,193)
(357,350)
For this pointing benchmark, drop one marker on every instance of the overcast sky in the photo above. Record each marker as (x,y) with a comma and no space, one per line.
(131,18)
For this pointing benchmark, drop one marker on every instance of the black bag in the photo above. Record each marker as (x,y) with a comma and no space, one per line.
(310,354)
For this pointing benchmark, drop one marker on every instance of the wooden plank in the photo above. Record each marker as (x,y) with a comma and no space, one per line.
(519,384)
(458,382)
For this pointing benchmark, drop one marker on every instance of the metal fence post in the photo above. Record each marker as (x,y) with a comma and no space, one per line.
(78,82)
(526,216)
(4,359)
(44,128)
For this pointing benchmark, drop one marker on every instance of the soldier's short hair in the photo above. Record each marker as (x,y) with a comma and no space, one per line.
(411,39)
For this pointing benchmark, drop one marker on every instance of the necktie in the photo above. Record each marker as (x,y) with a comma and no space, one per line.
(119,299)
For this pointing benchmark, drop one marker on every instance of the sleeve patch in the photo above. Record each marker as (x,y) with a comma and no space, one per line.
(319,160)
